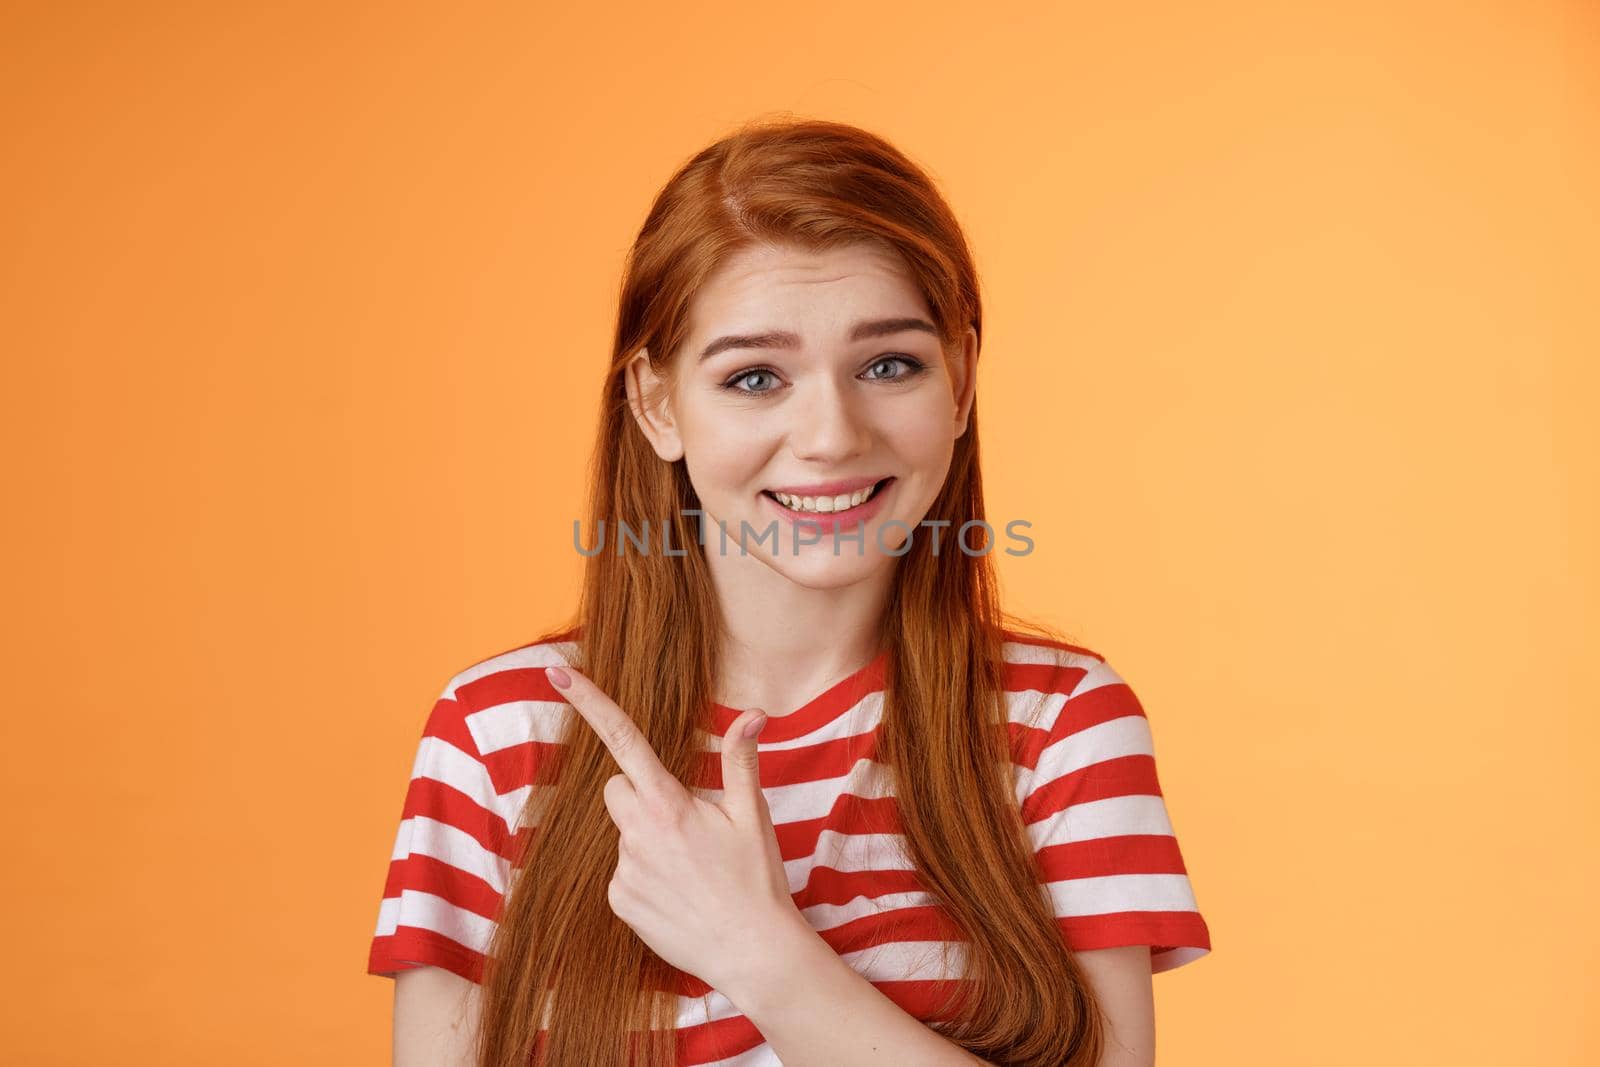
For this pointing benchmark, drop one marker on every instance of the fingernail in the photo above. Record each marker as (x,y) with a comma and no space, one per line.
(754,726)
(558,677)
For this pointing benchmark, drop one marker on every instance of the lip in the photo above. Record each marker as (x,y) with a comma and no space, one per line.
(848,485)
(834,521)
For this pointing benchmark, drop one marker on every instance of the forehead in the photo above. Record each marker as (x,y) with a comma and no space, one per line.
(786,287)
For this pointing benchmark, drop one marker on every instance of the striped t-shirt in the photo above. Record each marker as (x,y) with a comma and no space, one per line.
(1085,782)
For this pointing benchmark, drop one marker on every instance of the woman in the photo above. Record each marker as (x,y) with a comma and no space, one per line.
(946,843)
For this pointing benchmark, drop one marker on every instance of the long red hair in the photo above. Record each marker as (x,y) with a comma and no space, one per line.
(649,626)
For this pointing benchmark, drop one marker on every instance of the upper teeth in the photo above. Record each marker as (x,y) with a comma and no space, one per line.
(826,503)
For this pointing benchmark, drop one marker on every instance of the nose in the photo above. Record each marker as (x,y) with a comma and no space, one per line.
(828,427)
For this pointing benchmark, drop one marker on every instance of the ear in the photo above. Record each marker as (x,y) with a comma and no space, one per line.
(964,378)
(650,400)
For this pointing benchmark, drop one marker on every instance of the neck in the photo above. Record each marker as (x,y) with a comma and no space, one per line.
(783,643)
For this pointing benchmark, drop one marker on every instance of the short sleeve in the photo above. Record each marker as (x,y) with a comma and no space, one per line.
(451,859)
(1099,825)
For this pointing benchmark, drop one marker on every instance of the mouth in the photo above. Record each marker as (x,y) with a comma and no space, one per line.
(843,505)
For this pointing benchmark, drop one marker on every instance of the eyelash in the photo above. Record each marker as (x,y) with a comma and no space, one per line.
(914,367)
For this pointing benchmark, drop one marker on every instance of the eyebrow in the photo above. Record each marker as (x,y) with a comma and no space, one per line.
(784,339)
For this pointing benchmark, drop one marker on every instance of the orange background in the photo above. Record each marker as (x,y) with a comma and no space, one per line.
(1290,359)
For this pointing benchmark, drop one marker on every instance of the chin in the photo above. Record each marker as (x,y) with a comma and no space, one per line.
(818,568)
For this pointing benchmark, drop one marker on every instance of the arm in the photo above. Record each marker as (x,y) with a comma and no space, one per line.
(807,982)
(1121,978)
(435,1018)
(436,1014)
(815,1011)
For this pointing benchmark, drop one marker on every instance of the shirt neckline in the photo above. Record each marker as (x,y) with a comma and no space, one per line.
(817,712)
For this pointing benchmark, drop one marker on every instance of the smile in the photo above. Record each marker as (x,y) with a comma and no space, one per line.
(858,506)
(826,505)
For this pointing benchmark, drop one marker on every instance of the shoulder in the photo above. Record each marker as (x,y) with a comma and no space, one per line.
(516,673)
(1066,705)
(1020,646)
(1040,665)
(503,711)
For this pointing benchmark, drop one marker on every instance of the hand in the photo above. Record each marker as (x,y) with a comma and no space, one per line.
(701,883)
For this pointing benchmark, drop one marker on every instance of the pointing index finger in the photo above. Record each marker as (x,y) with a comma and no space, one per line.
(621,736)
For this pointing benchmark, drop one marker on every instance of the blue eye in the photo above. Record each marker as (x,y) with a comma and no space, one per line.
(913,367)
(731,385)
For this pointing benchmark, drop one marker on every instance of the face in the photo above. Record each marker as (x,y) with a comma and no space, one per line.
(807,398)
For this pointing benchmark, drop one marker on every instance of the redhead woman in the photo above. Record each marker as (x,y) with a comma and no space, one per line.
(789,787)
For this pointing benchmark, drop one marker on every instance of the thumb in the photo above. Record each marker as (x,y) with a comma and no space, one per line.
(741,764)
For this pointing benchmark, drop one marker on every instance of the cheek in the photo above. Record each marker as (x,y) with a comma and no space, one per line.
(924,435)
(722,456)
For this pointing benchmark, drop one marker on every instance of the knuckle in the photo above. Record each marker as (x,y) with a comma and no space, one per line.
(668,815)
(619,738)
